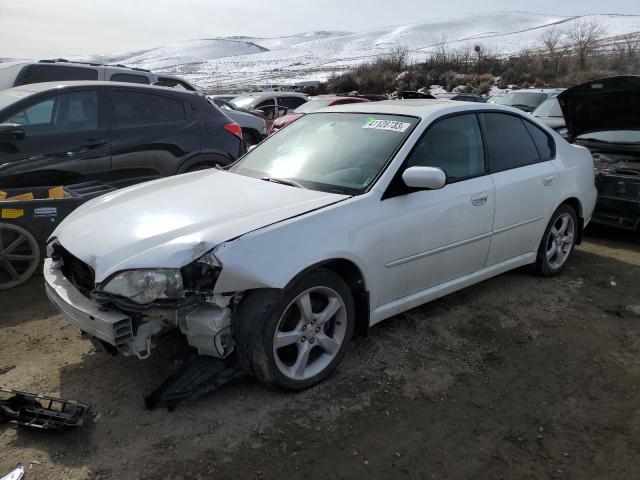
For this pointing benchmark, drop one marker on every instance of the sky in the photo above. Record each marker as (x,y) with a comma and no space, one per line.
(50,28)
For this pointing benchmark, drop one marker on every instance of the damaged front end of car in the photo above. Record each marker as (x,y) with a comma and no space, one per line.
(123,313)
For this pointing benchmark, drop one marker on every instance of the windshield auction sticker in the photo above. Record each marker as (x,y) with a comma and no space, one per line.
(392,125)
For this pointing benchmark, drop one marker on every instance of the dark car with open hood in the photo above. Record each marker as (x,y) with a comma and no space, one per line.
(604,116)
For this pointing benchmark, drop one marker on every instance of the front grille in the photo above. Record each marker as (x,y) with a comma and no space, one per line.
(76,271)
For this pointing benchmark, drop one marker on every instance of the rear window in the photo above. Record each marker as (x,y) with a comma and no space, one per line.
(38,73)
(135,108)
(129,78)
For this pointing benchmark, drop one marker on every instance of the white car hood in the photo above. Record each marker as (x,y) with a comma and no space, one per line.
(170,222)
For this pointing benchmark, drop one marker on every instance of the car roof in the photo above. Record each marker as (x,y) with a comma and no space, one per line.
(273,94)
(417,108)
(33,88)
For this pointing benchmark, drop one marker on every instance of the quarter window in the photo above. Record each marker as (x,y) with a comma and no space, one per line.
(508,142)
(134,108)
(453,145)
(544,142)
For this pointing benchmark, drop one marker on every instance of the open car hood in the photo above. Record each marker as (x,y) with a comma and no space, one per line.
(606,104)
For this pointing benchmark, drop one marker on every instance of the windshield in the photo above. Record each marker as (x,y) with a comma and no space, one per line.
(527,99)
(550,108)
(312,105)
(246,102)
(335,152)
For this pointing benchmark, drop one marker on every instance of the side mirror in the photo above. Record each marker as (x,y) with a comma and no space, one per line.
(430,178)
(10,132)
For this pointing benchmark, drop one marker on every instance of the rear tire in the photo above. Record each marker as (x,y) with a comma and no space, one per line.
(299,339)
(558,241)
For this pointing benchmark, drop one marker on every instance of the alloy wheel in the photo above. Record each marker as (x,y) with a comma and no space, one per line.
(310,333)
(560,240)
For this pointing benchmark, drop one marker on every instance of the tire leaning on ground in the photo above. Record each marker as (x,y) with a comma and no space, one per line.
(301,337)
(558,241)
(19,255)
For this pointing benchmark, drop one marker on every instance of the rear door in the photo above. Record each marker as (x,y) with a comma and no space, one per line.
(525,180)
(151,135)
(65,141)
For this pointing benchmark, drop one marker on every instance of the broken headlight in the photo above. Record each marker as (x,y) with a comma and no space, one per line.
(200,275)
(146,286)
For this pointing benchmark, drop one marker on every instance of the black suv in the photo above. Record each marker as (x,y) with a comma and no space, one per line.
(69,132)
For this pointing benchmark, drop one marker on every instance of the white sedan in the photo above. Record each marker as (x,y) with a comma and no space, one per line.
(345,218)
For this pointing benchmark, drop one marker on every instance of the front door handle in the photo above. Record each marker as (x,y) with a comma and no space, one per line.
(479,198)
(548,180)
(93,143)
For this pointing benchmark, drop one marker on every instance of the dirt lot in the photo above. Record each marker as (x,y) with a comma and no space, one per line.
(517,378)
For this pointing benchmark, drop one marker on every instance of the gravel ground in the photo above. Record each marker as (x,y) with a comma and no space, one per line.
(516,378)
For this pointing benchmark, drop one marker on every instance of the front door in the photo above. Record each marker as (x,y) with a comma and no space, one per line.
(434,236)
(65,142)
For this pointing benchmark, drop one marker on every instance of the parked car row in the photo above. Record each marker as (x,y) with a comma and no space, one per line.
(420,197)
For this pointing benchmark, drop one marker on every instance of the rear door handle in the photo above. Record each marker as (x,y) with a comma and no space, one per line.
(548,180)
(479,198)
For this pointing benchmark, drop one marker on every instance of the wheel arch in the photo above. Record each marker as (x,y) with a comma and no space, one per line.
(204,159)
(354,278)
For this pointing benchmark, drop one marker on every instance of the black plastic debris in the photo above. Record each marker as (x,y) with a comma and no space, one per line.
(193,377)
(16,474)
(5,369)
(40,411)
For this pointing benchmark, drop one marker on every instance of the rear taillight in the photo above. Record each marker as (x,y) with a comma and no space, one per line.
(234,129)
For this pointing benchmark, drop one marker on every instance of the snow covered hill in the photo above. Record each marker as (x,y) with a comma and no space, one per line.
(234,62)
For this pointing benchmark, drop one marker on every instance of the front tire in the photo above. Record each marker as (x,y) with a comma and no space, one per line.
(303,336)
(558,241)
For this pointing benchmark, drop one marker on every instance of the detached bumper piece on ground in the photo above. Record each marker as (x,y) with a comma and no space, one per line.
(193,377)
(39,411)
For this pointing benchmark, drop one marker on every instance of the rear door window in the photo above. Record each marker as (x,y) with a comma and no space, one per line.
(137,108)
(129,78)
(291,102)
(38,73)
(454,145)
(508,142)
